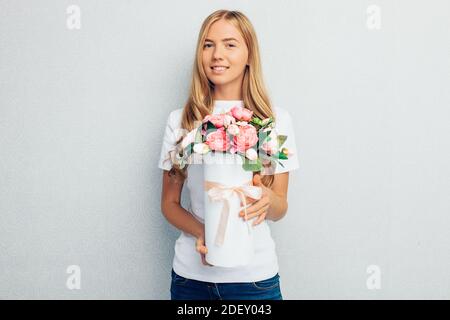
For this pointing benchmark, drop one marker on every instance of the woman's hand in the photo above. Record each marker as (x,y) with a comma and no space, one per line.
(260,207)
(201,248)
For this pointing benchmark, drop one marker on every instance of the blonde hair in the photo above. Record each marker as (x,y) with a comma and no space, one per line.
(200,102)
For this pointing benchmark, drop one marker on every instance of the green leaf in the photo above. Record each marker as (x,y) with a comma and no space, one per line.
(281,140)
(188,150)
(198,136)
(280,155)
(210,127)
(266,122)
(262,137)
(252,165)
(256,120)
(283,156)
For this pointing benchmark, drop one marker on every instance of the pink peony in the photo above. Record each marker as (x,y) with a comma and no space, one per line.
(216,119)
(218,140)
(271,147)
(246,138)
(241,114)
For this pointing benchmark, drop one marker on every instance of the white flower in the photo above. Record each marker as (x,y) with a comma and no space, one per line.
(241,123)
(251,154)
(233,129)
(228,120)
(201,148)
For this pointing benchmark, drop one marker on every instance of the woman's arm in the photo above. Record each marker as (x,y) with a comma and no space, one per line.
(278,202)
(273,204)
(174,212)
(178,216)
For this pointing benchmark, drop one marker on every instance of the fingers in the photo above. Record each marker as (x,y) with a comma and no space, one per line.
(263,202)
(200,246)
(249,201)
(257,180)
(260,219)
(204,261)
(202,249)
(257,213)
(261,214)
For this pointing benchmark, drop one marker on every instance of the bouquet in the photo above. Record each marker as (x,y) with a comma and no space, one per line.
(248,143)
(238,132)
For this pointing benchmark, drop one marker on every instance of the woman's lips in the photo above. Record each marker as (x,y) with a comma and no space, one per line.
(219,70)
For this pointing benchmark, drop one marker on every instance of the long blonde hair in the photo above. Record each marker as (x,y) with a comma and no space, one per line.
(200,101)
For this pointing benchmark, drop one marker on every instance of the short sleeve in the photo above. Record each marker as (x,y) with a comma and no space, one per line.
(284,126)
(170,138)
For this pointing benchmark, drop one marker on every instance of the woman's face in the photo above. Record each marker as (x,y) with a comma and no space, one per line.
(224,47)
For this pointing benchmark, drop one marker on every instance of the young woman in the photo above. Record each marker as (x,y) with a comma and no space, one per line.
(227,73)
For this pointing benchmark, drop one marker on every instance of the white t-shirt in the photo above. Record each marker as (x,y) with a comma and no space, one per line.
(187,261)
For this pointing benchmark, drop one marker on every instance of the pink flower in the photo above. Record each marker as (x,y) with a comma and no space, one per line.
(271,147)
(241,114)
(246,138)
(216,119)
(218,140)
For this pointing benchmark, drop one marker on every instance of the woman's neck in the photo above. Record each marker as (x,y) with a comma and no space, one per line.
(232,91)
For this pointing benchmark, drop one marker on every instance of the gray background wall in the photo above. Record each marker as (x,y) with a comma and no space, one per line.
(82,113)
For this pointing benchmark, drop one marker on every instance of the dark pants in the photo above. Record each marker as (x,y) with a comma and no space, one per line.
(188,289)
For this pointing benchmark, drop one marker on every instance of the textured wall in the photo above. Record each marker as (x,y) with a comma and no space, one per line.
(82,113)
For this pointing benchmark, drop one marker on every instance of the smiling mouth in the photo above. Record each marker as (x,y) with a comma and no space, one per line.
(219,68)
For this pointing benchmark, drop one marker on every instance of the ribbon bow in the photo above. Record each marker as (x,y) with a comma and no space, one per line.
(219,192)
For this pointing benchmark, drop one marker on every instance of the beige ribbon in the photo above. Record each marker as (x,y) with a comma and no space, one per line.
(219,192)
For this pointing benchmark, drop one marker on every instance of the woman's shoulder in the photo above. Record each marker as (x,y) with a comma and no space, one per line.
(283,118)
(176,113)
(174,118)
(280,112)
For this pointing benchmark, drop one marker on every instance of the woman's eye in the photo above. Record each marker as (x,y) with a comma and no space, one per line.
(207,45)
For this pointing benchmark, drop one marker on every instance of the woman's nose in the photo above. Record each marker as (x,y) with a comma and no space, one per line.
(217,53)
